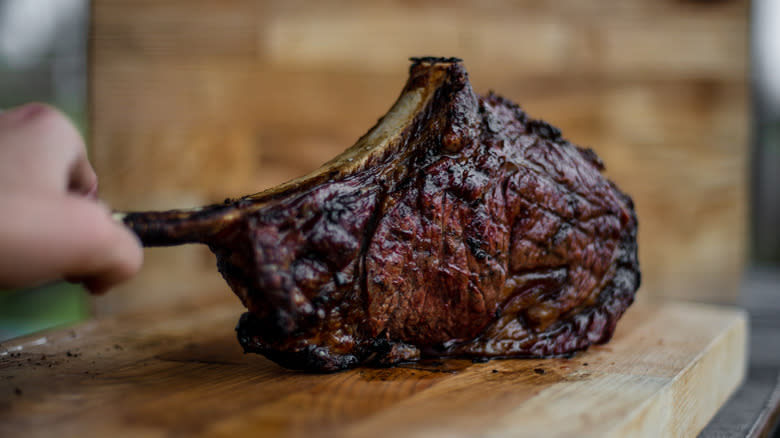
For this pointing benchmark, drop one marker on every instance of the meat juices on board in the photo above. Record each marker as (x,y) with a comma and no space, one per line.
(457,226)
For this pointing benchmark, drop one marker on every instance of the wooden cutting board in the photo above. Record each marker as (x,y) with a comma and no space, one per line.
(182,373)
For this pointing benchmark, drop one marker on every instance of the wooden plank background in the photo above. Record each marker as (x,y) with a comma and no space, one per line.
(193,101)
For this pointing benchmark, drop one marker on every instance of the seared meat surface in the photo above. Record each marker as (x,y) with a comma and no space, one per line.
(457,226)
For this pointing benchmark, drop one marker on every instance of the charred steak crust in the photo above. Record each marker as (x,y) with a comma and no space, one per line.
(457,226)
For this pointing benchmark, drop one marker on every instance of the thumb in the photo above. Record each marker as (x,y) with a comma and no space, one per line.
(108,254)
(65,236)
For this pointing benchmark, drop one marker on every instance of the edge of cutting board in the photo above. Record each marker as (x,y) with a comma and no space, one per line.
(679,409)
(645,383)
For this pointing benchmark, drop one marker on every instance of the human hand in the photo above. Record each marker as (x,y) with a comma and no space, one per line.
(51,225)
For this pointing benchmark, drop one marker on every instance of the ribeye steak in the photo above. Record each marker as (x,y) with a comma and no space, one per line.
(457,226)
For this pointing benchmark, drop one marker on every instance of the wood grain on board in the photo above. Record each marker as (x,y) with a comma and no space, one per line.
(665,373)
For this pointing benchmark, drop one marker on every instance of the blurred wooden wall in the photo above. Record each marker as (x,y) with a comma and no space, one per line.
(193,101)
